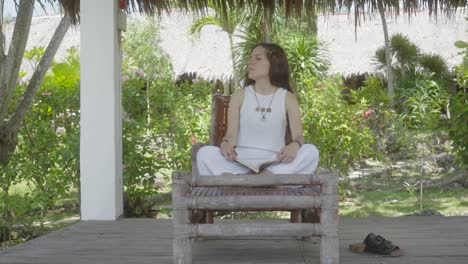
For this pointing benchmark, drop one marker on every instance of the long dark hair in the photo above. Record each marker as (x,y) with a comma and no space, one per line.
(279,67)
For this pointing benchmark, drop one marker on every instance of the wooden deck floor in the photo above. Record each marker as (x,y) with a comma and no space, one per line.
(429,240)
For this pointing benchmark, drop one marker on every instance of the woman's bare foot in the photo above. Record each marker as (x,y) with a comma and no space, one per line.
(250,172)
(265,172)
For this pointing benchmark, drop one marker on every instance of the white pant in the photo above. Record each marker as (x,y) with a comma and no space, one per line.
(211,162)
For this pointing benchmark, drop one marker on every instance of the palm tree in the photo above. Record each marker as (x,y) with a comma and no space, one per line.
(388,59)
(407,58)
(228,21)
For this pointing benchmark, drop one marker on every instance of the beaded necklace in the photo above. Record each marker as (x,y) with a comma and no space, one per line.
(263,111)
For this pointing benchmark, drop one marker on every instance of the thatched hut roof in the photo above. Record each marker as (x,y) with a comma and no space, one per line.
(291,7)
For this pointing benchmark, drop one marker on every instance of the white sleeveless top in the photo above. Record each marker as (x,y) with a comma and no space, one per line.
(268,133)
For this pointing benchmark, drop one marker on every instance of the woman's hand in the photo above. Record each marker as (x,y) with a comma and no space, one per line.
(227,149)
(288,153)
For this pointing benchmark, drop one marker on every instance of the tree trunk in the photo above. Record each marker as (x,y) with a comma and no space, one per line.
(11,64)
(6,226)
(10,127)
(8,142)
(234,75)
(2,38)
(39,73)
(266,27)
(388,59)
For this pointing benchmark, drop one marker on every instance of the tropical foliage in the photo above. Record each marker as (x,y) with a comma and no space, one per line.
(459,108)
(163,118)
(339,130)
(46,159)
(228,21)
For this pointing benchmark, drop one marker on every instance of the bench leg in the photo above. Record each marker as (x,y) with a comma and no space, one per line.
(311,216)
(209,217)
(296,216)
(329,250)
(329,242)
(197,216)
(182,241)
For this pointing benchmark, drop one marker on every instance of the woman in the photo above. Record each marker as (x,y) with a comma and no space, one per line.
(257,120)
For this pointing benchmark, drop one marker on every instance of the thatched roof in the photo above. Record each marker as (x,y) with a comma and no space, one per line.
(291,7)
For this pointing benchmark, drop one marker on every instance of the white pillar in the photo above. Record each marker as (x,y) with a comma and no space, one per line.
(101,125)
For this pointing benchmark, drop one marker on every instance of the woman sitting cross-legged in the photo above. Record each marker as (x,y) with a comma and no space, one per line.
(257,122)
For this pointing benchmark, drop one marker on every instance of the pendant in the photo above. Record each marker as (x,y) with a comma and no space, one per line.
(269,110)
(263,109)
(263,118)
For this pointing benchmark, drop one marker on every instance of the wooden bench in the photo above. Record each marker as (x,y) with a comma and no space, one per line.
(192,193)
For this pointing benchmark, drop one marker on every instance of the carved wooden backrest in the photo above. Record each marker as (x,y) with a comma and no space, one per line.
(219,112)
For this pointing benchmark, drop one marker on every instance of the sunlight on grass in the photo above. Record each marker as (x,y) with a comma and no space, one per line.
(398,203)
(19,188)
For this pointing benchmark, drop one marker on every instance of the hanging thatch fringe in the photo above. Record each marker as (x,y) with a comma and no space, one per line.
(291,7)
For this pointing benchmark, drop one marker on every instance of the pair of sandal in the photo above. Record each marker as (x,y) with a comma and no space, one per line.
(376,244)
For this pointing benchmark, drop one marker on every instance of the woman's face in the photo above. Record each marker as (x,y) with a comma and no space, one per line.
(259,66)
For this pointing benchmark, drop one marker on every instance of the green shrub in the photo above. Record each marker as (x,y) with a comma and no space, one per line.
(458,130)
(141,50)
(380,117)
(144,65)
(422,100)
(306,55)
(47,155)
(338,129)
(420,80)
(159,127)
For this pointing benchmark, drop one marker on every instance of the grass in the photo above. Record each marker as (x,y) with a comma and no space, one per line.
(383,204)
(397,203)
(25,215)
(19,189)
(361,203)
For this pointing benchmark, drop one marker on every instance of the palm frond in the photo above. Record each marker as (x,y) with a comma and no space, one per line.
(433,63)
(405,51)
(228,19)
(380,59)
(242,50)
(198,24)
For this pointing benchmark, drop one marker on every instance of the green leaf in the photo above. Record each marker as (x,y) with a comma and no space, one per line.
(461,44)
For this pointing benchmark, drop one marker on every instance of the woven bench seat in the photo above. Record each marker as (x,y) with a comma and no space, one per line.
(232,191)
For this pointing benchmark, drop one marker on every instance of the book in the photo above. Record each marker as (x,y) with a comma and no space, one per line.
(256,159)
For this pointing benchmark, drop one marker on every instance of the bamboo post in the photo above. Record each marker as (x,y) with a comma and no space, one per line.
(233,231)
(253,180)
(296,217)
(329,243)
(252,202)
(182,242)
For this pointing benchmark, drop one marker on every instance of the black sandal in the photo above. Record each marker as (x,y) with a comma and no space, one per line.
(378,245)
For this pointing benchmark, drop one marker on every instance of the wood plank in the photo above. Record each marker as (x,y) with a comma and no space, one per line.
(431,240)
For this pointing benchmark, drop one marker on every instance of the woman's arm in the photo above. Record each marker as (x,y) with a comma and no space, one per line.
(294,115)
(233,120)
(293,111)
